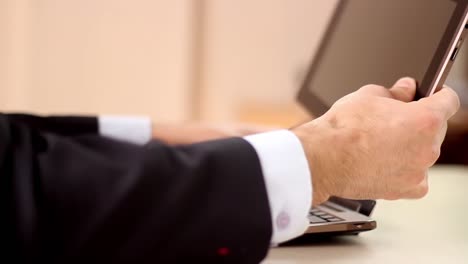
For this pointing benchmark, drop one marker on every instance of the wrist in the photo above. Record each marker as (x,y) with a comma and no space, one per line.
(165,132)
(314,143)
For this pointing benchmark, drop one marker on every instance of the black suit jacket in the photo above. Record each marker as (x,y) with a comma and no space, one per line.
(68,195)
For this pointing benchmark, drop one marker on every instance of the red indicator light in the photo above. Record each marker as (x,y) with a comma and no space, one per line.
(224,251)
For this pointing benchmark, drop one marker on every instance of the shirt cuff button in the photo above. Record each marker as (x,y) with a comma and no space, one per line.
(282,221)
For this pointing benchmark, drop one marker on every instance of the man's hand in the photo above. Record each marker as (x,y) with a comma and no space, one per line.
(198,132)
(377,143)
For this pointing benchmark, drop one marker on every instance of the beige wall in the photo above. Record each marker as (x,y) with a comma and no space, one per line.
(150,57)
(14,54)
(3,53)
(107,56)
(256,51)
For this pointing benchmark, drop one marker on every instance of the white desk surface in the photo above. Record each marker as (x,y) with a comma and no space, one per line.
(431,230)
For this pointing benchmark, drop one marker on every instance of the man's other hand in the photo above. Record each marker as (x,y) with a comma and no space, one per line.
(377,143)
(190,133)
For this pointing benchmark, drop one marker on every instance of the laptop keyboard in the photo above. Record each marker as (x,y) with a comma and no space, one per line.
(317,216)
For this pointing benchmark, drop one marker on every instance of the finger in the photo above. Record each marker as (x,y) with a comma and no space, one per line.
(404,89)
(442,134)
(375,90)
(445,101)
(419,191)
(250,129)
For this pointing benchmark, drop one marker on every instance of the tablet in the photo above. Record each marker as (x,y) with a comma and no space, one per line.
(380,41)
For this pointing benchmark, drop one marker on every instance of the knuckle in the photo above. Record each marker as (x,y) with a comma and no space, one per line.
(368,86)
(454,96)
(392,197)
(427,156)
(415,179)
(422,191)
(431,155)
(394,192)
(434,154)
(372,87)
(457,101)
(430,122)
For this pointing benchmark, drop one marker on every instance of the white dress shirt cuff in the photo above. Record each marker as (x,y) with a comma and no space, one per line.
(288,182)
(137,130)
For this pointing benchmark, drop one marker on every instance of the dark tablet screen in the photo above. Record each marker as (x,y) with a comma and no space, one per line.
(377,42)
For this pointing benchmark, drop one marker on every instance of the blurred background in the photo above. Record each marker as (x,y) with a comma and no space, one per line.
(175,60)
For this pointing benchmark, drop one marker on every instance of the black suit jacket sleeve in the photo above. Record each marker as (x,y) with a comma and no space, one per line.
(89,199)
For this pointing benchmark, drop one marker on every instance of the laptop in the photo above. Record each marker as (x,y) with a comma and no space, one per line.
(339,216)
(378,42)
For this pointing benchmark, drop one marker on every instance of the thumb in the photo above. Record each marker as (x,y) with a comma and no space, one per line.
(404,89)
(445,101)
